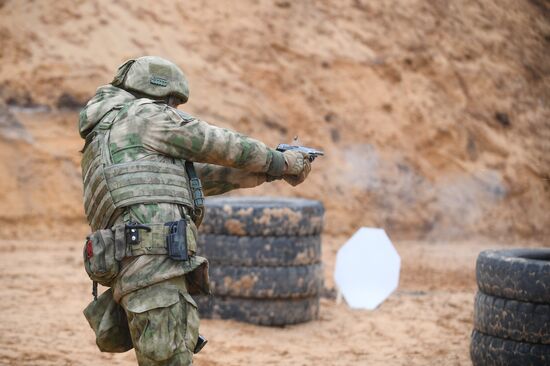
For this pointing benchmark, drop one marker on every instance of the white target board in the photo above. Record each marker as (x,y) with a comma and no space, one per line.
(367,268)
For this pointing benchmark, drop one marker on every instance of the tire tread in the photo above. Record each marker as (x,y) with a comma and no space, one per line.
(271,312)
(486,350)
(512,319)
(517,274)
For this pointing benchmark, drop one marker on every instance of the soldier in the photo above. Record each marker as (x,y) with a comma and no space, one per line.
(140,166)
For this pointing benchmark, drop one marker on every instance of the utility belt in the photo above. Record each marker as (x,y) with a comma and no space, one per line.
(171,238)
(105,249)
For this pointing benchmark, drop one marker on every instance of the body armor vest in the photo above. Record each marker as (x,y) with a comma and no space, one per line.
(109,188)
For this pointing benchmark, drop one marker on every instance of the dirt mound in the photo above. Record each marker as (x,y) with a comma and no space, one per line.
(435,115)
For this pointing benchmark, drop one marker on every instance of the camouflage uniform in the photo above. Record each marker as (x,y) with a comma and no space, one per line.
(153,289)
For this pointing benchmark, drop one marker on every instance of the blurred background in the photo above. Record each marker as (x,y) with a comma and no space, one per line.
(434,114)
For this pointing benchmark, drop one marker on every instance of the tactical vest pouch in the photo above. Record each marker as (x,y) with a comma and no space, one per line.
(99,257)
(176,240)
(109,322)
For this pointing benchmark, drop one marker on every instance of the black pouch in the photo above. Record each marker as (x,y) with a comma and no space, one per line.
(176,240)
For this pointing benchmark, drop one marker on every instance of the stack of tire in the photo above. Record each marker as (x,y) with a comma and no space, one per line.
(512,308)
(265,259)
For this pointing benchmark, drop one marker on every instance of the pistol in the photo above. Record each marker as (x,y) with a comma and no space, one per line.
(311,153)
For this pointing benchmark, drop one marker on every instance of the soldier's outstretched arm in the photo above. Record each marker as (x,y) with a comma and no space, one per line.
(174,133)
(177,134)
(218,179)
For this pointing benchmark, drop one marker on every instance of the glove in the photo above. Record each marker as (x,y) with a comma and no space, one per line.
(297,167)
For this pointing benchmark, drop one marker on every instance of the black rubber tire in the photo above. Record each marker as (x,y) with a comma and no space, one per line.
(266,282)
(486,350)
(260,250)
(262,216)
(512,319)
(517,274)
(274,312)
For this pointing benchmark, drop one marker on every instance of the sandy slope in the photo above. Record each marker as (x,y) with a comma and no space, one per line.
(426,322)
(434,114)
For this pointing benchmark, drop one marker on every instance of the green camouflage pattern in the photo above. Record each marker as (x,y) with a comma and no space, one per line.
(101,265)
(156,132)
(164,323)
(104,100)
(149,131)
(153,76)
(218,179)
(110,187)
(154,290)
(109,323)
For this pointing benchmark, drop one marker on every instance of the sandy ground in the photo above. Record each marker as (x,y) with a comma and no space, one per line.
(434,115)
(426,322)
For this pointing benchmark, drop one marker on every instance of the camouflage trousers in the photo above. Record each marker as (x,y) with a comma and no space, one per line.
(164,323)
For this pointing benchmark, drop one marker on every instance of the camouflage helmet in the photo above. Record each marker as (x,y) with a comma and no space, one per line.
(153,76)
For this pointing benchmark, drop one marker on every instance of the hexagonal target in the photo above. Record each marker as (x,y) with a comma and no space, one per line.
(367,268)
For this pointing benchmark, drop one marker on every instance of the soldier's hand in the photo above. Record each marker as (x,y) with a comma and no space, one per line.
(297,167)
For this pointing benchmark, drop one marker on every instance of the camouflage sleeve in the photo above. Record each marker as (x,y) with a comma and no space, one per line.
(218,179)
(177,134)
